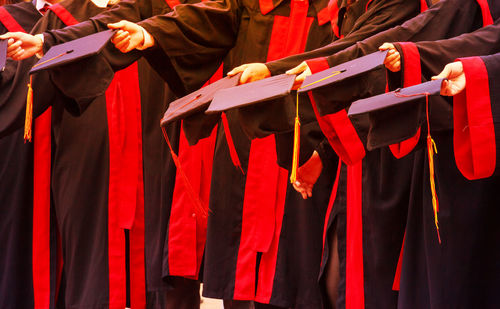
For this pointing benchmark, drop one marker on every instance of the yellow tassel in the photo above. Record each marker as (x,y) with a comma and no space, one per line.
(296,147)
(29,113)
(431,149)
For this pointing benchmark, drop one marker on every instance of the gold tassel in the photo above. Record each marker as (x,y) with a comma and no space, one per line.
(431,150)
(29,113)
(296,144)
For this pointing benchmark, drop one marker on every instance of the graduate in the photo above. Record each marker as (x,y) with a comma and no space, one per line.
(194,57)
(16,191)
(84,190)
(459,232)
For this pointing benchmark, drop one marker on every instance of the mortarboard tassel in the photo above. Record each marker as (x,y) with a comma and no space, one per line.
(199,207)
(296,144)
(29,113)
(431,150)
(296,133)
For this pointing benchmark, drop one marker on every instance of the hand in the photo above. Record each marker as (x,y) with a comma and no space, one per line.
(393,59)
(251,72)
(22,45)
(302,71)
(307,175)
(456,82)
(128,37)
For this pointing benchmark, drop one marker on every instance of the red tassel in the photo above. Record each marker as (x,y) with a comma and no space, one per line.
(199,207)
(230,143)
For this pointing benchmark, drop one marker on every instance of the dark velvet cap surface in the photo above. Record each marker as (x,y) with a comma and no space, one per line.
(197,101)
(252,93)
(400,96)
(346,70)
(73,50)
(3,54)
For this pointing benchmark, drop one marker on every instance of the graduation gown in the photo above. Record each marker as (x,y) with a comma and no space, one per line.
(347,139)
(16,186)
(80,188)
(240,234)
(465,180)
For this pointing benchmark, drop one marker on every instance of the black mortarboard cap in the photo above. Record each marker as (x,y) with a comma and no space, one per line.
(405,95)
(197,101)
(344,71)
(248,94)
(73,50)
(3,54)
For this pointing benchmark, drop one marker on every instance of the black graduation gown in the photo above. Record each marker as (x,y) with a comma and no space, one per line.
(248,32)
(377,202)
(433,274)
(80,186)
(16,190)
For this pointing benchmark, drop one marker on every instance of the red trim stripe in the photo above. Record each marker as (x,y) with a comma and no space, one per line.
(333,10)
(173,3)
(486,12)
(397,276)
(333,196)
(423,6)
(63,14)
(41,210)
(411,76)
(370,2)
(266,6)
(355,293)
(9,22)
(474,131)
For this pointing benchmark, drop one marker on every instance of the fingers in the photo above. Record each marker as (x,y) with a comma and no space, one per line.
(297,185)
(445,73)
(118,25)
(237,70)
(298,69)
(387,46)
(14,47)
(299,80)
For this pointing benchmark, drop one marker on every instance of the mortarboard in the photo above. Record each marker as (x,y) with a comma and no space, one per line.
(344,71)
(73,50)
(3,54)
(62,54)
(197,101)
(336,88)
(249,94)
(405,95)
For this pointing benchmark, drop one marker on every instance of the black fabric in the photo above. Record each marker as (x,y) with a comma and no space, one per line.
(16,193)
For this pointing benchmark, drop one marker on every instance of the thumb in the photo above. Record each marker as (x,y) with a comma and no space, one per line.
(298,69)
(118,25)
(444,74)
(237,70)
(386,46)
(11,35)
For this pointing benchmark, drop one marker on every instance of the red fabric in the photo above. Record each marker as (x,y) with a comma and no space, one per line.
(355,294)
(266,6)
(323,16)
(337,127)
(329,209)
(423,6)
(369,2)
(187,230)
(267,267)
(125,197)
(397,276)
(63,14)
(265,186)
(230,143)
(173,3)
(9,22)
(333,11)
(485,10)
(411,76)
(474,131)
(41,210)
(341,135)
